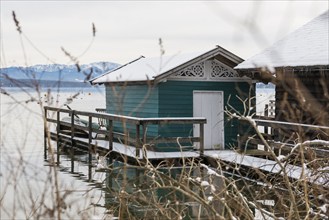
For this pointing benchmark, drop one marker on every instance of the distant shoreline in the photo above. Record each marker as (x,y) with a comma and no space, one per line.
(28,83)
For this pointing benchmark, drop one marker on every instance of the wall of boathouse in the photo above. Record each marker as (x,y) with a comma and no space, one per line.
(173,99)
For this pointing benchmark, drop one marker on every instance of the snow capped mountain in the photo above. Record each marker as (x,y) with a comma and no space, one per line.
(57,72)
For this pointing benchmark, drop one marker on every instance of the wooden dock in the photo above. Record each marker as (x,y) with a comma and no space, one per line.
(133,149)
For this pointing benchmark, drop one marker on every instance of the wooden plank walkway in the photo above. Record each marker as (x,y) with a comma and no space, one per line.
(227,156)
(128,151)
(269,166)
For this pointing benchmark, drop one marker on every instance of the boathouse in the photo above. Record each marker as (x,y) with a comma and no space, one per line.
(298,65)
(199,84)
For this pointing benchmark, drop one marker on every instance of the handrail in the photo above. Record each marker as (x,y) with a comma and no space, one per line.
(97,115)
(140,138)
(135,120)
(100,109)
(265,122)
(277,137)
(101,121)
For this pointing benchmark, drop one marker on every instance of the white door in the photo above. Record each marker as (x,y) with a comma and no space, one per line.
(210,104)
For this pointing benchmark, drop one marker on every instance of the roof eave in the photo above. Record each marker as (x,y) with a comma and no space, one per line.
(319,66)
(119,67)
(263,74)
(137,82)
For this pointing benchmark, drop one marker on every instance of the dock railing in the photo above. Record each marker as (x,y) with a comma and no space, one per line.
(269,110)
(280,135)
(139,140)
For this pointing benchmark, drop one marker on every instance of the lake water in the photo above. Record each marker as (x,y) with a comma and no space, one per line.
(27,181)
(28,186)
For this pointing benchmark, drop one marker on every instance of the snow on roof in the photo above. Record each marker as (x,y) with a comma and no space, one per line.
(144,69)
(307,46)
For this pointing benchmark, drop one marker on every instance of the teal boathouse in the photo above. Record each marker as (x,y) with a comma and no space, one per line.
(200,84)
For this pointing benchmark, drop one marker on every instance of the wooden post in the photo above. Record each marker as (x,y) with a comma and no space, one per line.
(72,142)
(89,148)
(138,142)
(240,134)
(57,137)
(266,114)
(110,134)
(266,110)
(201,140)
(239,141)
(45,138)
(272,108)
(110,138)
(144,126)
(109,178)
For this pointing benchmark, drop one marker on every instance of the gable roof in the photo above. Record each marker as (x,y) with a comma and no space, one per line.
(158,68)
(306,46)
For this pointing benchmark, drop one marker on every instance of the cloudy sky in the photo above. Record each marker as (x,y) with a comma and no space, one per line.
(127,29)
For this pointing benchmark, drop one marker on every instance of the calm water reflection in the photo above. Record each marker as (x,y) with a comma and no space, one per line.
(27,187)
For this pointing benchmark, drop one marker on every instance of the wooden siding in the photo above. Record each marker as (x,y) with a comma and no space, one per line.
(176,100)
(133,100)
(302,97)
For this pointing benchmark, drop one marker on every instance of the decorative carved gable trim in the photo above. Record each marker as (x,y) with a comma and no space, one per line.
(211,70)
(219,70)
(193,71)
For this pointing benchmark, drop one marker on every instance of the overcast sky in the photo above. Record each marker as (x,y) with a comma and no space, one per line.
(128,29)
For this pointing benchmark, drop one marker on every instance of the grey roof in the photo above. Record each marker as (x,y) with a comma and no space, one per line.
(306,46)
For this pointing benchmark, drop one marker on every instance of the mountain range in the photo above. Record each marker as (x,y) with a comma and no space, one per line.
(46,73)
(52,75)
